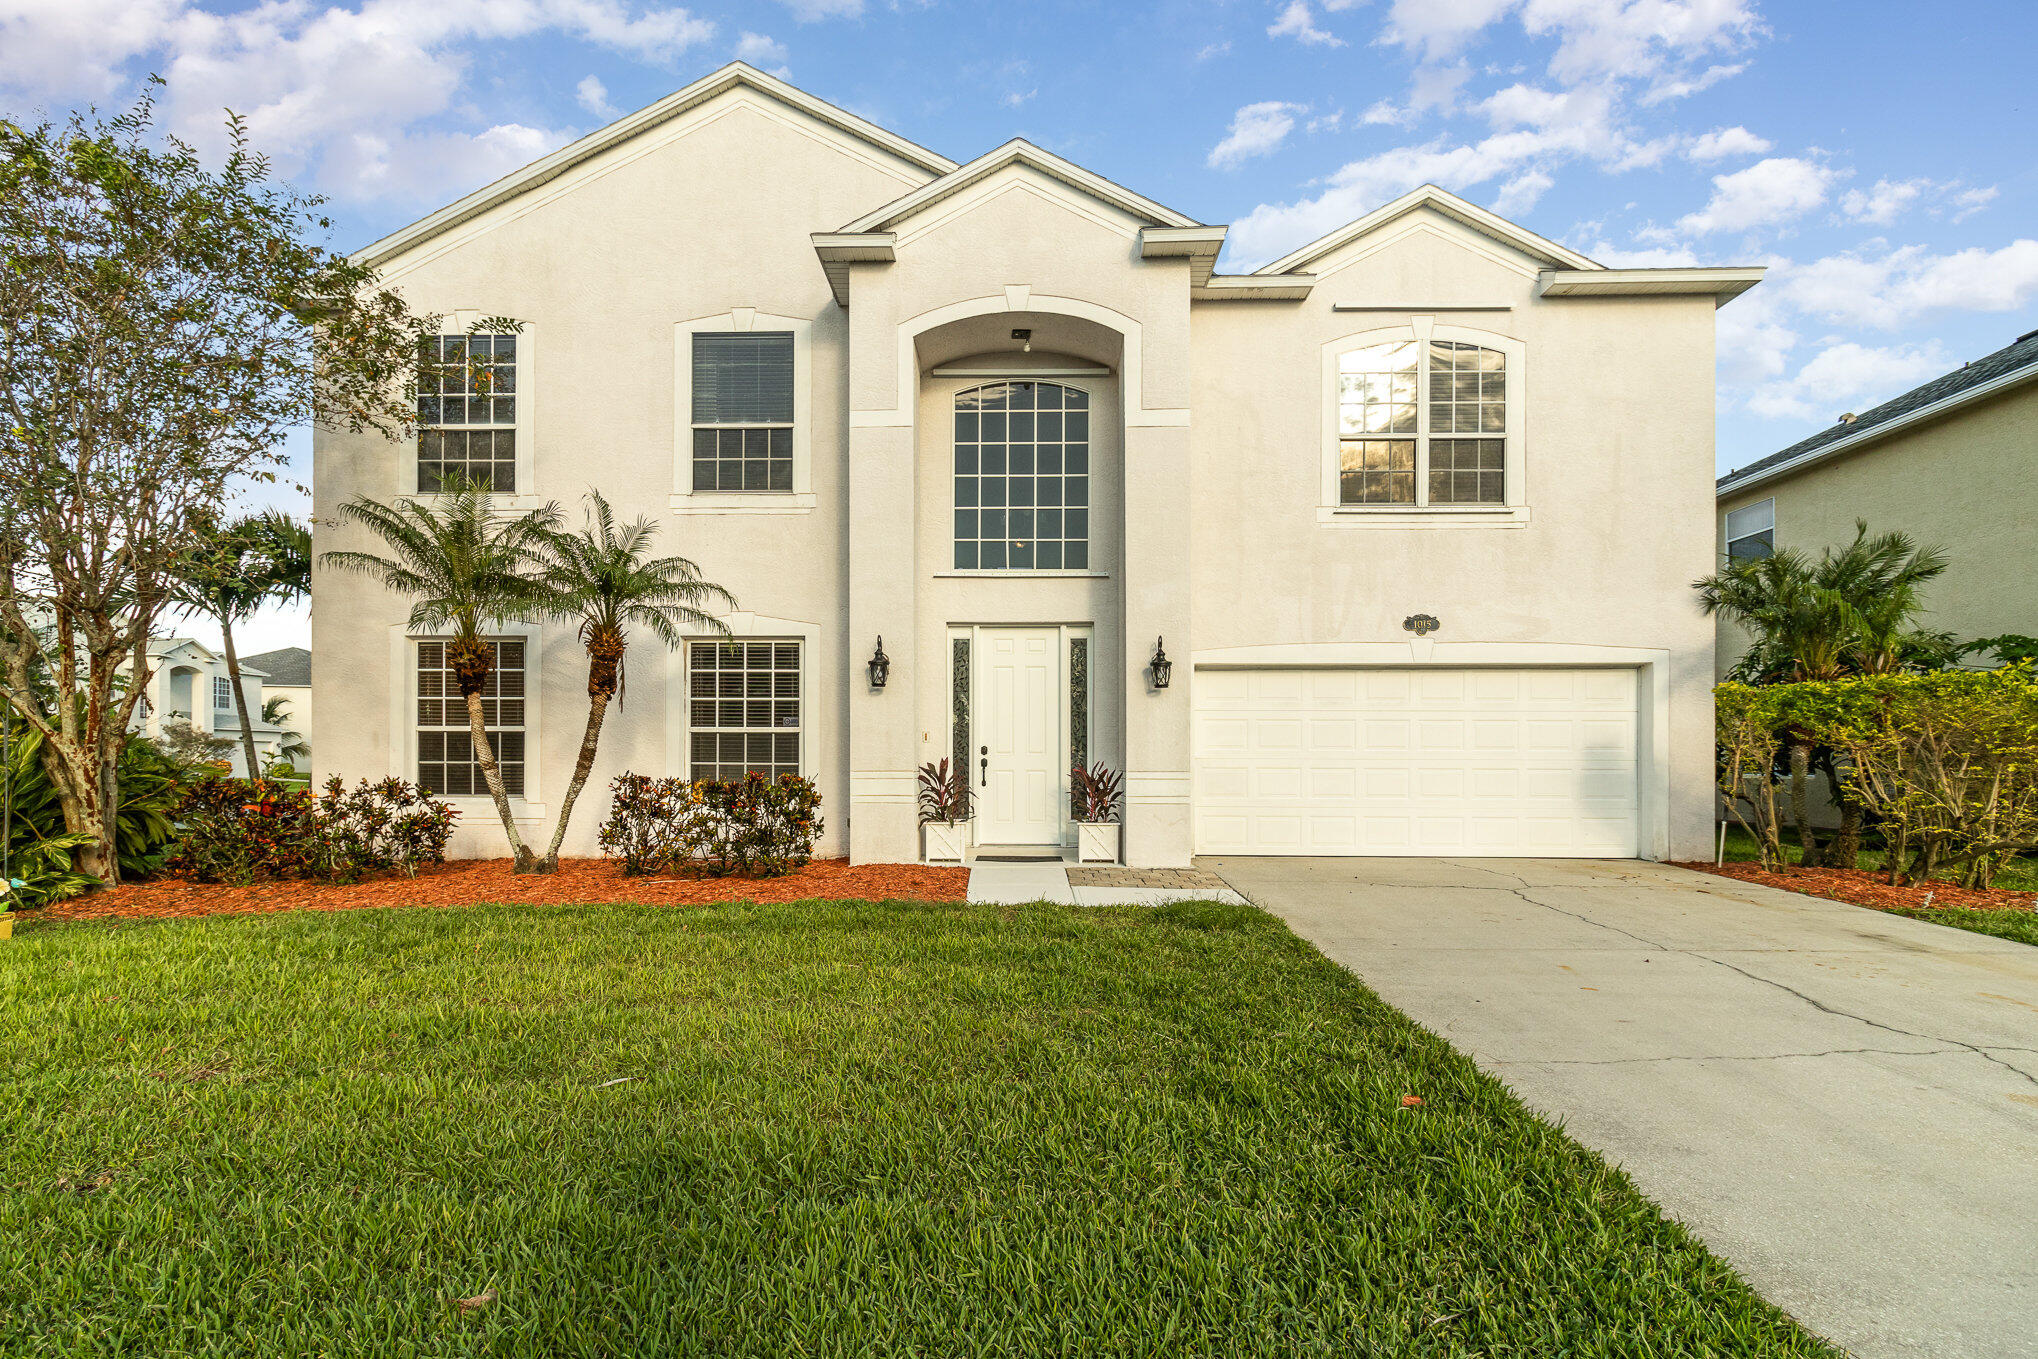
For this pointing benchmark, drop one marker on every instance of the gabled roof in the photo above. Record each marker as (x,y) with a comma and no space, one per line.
(550,167)
(2011,366)
(1018,151)
(290,665)
(1551,254)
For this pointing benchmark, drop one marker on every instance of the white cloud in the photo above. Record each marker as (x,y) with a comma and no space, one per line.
(1256,130)
(1767,193)
(1522,192)
(809,11)
(1753,341)
(1441,28)
(1299,22)
(1890,289)
(1846,375)
(1658,42)
(1885,202)
(1968,202)
(1215,49)
(593,96)
(1723,142)
(362,102)
(760,50)
(1677,87)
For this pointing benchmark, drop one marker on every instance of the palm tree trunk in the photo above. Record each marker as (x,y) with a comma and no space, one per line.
(1800,766)
(484,753)
(233,671)
(597,708)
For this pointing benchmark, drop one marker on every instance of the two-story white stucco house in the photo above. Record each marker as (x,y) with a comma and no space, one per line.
(190,686)
(1006,417)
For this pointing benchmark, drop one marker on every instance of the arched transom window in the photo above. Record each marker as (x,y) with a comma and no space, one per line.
(1422,422)
(1022,477)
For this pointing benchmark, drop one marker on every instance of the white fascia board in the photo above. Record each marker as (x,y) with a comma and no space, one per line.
(840,249)
(1197,244)
(1450,205)
(1018,151)
(1723,285)
(1738,482)
(671,106)
(1254,288)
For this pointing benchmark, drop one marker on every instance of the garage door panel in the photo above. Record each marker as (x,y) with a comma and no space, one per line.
(1382,761)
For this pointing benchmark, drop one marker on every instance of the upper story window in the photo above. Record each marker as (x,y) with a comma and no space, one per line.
(222,693)
(1751,531)
(1422,423)
(743,411)
(467,405)
(1022,477)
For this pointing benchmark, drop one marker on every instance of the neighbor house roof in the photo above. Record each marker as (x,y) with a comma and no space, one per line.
(2009,366)
(289,666)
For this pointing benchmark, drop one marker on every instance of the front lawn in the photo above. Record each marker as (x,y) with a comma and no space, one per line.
(799,1128)
(2021,926)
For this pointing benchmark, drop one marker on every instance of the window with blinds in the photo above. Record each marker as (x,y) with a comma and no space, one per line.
(743,411)
(446,762)
(743,708)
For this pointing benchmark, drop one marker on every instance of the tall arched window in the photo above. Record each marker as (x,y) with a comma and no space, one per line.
(1022,477)
(1422,423)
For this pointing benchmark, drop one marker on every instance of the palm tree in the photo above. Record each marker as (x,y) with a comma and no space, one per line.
(1852,612)
(289,742)
(231,574)
(466,570)
(604,576)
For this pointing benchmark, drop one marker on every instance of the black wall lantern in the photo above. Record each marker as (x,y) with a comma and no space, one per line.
(880,666)
(1160,667)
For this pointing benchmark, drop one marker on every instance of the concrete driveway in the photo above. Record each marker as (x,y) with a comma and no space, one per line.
(1843,1104)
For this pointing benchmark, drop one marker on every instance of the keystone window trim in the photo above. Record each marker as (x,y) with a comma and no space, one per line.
(685,499)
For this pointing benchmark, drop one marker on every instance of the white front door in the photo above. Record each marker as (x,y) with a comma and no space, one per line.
(1020,750)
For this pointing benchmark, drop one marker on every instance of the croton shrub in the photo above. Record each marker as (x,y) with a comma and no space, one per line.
(754,826)
(249,830)
(1946,762)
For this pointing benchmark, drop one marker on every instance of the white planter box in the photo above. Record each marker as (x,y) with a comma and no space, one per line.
(942,841)
(1097,842)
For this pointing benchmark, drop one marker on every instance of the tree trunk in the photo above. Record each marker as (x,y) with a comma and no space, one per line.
(1844,849)
(1800,765)
(233,672)
(484,752)
(78,791)
(597,708)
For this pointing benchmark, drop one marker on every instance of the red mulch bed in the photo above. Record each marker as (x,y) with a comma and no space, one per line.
(470,882)
(1860,887)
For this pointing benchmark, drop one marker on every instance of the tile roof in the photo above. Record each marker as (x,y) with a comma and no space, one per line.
(289,665)
(2004,362)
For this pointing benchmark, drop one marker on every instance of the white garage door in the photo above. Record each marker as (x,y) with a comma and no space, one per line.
(1457,762)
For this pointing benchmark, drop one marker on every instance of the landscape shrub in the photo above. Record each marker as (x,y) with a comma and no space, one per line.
(753,826)
(248,830)
(152,786)
(1947,761)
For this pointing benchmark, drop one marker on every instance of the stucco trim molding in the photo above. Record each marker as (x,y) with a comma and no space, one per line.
(1652,696)
(685,499)
(910,330)
(1450,205)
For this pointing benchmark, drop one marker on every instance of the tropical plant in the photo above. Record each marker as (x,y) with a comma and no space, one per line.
(1099,793)
(466,570)
(247,830)
(1852,611)
(605,577)
(230,573)
(945,794)
(754,826)
(47,858)
(291,745)
(2006,649)
(159,313)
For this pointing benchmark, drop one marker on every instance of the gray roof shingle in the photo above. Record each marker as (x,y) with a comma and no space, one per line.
(286,665)
(2022,354)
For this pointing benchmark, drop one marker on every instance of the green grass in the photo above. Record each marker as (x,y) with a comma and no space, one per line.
(847,1129)
(2021,926)
(2019,875)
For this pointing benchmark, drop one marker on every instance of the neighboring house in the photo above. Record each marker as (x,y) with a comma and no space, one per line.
(1951,463)
(189,687)
(289,677)
(1006,418)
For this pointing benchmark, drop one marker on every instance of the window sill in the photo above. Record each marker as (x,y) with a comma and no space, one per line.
(1021,573)
(743,502)
(473,805)
(1421,517)
(501,504)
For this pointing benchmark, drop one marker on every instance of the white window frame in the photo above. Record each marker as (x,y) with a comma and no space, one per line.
(1513,512)
(1090,395)
(1064,731)
(1727,535)
(527,807)
(744,627)
(223,694)
(800,499)
(525,497)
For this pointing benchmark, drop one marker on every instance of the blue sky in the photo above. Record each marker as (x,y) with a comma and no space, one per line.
(1874,154)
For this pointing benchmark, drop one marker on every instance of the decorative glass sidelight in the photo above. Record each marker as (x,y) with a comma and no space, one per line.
(959,682)
(1079,705)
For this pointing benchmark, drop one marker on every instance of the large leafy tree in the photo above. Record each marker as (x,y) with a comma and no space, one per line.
(230,573)
(605,578)
(157,327)
(1853,610)
(466,570)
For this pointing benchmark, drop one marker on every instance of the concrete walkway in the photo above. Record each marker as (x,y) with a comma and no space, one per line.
(1018,884)
(1843,1104)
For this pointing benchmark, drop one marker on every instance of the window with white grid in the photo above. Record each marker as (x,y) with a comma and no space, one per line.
(467,410)
(1022,477)
(1422,423)
(743,411)
(446,756)
(222,693)
(743,709)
